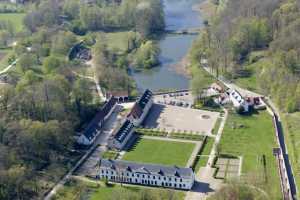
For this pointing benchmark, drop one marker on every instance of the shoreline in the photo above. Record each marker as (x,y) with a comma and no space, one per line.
(206,10)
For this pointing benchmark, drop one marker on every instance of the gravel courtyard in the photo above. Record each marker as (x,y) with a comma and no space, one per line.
(174,118)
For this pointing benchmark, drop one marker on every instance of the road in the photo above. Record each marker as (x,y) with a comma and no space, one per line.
(89,157)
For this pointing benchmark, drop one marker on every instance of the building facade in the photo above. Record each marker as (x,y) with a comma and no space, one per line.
(141,108)
(94,128)
(121,135)
(238,101)
(146,174)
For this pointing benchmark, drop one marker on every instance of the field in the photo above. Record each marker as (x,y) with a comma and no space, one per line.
(160,152)
(118,40)
(15,18)
(4,55)
(75,189)
(292,136)
(253,138)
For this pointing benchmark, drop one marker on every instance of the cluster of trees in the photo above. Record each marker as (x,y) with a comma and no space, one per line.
(41,106)
(246,26)
(145,16)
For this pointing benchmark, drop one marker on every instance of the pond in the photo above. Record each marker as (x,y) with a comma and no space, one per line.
(179,15)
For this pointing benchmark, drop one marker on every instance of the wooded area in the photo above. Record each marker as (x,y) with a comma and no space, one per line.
(43,103)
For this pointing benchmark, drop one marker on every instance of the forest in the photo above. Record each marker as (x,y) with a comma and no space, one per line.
(256,41)
(43,103)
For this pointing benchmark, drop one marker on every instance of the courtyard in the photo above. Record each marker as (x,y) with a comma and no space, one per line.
(178,119)
(160,152)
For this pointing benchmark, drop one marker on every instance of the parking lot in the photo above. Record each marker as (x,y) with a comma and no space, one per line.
(184,99)
(179,119)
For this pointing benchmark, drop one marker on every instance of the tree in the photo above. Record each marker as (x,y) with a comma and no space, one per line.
(51,63)
(147,55)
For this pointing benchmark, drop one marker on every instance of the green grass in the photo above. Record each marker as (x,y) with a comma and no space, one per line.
(117,40)
(203,156)
(252,137)
(75,189)
(4,56)
(160,152)
(292,137)
(110,155)
(15,18)
(127,192)
(217,126)
(254,68)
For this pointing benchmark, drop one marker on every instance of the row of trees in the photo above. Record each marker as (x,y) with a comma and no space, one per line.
(246,26)
(145,16)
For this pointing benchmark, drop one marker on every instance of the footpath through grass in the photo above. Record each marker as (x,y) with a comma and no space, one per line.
(160,152)
(253,137)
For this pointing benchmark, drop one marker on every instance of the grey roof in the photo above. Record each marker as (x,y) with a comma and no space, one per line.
(151,169)
(91,130)
(123,131)
(145,98)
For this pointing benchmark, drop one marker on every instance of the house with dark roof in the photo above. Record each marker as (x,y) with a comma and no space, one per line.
(146,174)
(94,128)
(121,135)
(141,108)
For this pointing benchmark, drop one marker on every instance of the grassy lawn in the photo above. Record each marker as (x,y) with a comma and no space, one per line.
(126,192)
(117,40)
(292,137)
(4,56)
(252,137)
(203,156)
(15,18)
(110,155)
(160,152)
(217,126)
(76,190)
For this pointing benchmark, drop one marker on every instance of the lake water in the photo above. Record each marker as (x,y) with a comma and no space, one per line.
(178,15)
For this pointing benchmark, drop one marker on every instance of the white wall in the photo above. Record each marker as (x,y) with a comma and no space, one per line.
(137,178)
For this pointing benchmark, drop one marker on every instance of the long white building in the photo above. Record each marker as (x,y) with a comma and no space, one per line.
(141,108)
(94,128)
(121,135)
(146,174)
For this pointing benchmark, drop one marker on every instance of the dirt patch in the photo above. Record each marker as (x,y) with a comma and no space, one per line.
(182,67)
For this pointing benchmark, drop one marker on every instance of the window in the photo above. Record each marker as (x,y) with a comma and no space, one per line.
(138,175)
(127,174)
(164,178)
(175,185)
(143,176)
(181,180)
(102,171)
(148,176)
(155,182)
(180,185)
(175,179)
(159,178)
(170,179)
(154,177)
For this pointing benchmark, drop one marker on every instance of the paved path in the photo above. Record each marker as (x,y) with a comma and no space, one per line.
(88,158)
(8,67)
(205,184)
(217,140)
(170,139)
